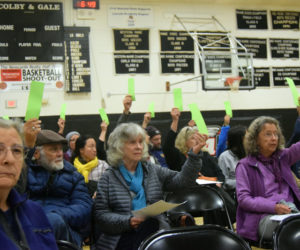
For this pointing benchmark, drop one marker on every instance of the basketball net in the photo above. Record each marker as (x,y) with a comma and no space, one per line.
(233,82)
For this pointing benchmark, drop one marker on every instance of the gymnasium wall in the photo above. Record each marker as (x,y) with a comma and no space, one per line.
(108,88)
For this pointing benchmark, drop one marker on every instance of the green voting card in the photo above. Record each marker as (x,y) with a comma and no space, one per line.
(293,89)
(198,118)
(104,116)
(63,111)
(131,90)
(177,94)
(228,109)
(151,109)
(34,103)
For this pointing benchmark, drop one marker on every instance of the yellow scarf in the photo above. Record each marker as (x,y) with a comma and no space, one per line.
(85,169)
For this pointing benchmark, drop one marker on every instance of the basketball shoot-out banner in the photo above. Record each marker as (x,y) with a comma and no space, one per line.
(16,77)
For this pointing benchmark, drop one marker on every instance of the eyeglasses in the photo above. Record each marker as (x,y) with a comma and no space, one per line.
(270,134)
(16,150)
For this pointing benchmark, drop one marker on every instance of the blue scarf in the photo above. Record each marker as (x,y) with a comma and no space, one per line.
(135,185)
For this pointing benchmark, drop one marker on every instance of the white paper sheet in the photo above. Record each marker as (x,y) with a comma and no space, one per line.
(155,209)
(205,182)
(282,216)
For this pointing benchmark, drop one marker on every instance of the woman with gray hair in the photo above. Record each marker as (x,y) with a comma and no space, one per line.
(264,182)
(132,183)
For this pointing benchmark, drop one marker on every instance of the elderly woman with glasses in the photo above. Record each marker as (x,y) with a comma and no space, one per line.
(23,222)
(132,183)
(264,182)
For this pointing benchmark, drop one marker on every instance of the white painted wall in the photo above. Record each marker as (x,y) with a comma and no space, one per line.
(152,87)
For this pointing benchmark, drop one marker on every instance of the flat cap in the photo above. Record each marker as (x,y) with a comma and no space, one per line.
(48,136)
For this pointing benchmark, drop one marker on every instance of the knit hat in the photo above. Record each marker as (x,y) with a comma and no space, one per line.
(48,136)
(152,131)
(70,134)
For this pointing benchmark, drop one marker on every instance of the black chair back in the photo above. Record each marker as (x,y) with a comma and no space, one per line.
(287,234)
(66,245)
(200,199)
(206,237)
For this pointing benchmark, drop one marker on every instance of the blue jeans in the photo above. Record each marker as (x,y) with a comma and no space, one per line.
(62,230)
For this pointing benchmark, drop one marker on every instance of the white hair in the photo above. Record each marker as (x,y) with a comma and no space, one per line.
(121,134)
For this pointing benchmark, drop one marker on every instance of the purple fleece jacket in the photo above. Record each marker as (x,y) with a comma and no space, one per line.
(250,188)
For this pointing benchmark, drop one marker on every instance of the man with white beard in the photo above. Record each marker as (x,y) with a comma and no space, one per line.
(58,187)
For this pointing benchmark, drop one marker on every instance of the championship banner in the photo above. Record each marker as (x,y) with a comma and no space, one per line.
(16,77)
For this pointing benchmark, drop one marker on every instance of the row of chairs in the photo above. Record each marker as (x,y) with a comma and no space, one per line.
(200,201)
(214,237)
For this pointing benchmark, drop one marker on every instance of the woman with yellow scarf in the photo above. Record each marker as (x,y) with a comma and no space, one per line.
(86,161)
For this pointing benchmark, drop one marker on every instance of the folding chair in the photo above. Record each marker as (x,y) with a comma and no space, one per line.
(206,237)
(200,201)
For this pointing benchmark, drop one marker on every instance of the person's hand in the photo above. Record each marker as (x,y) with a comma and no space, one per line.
(136,221)
(175,114)
(31,128)
(147,118)
(61,125)
(191,123)
(282,209)
(127,102)
(102,135)
(226,120)
(103,126)
(200,142)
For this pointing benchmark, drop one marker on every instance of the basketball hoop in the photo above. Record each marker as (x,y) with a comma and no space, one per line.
(233,82)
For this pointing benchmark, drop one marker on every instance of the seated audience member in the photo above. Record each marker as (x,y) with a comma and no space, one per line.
(132,183)
(155,149)
(154,144)
(264,182)
(175,149)
(87,163)
(221,146)
(58,187)
(24,224)
(71,138)
(229,158)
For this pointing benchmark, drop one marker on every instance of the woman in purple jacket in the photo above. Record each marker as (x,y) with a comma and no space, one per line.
(264,182)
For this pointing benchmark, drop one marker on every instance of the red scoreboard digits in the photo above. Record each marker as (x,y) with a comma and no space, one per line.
(86,4)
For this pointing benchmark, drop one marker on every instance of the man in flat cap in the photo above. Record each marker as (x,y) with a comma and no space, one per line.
(57,186)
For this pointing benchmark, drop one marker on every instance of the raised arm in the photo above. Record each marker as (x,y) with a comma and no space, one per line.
(31,128)
(61,126)
(175,114)
(101,153)
(147,119)
(221,147)
(172,154)
(296,132)
(127,102)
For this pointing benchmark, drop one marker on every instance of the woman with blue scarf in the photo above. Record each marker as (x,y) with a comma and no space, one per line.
(131,183)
